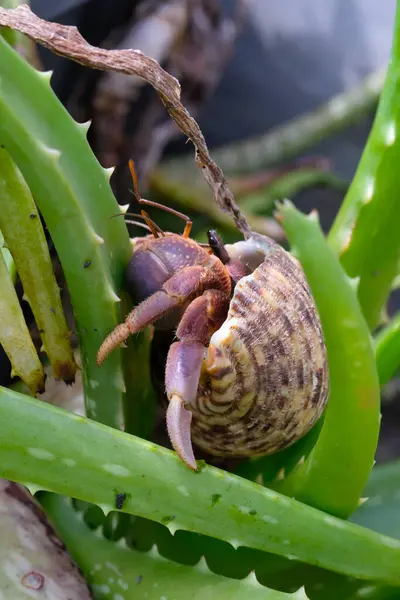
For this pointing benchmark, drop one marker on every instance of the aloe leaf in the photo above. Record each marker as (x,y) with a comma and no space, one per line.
(8,259)
(115,571)
(335,472)
(366,230)
(74,196)
(387,349)
(140,407)
(89,461)
(23,231)
(15,337)
(380,511)
(271,570)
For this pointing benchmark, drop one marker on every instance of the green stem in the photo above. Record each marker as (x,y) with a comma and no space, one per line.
(300,134)
(8,259)
(140,407)
(287,186)
(15,337)
(387,350)
(366,230)
(23,231)
(335,472)
(89,461)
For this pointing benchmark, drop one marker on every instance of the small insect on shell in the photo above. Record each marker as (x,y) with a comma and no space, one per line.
(264,381)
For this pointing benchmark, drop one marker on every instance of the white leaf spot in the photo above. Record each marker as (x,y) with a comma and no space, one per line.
(116,470)
(41,454)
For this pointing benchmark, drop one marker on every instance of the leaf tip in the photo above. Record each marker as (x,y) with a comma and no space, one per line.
(84,127)
(108,171)
(202,565)
(354,282)
(300,594)
(33,488)
(124,208)
(154,553)
(281,209)
(45,76)
(122,543)
(252,579)
(313,216)
(106,508)
(281,474)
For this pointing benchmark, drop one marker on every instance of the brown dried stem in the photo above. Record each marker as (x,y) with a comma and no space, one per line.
(67,41)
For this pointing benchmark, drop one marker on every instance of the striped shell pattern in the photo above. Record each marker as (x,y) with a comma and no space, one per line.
(264,380)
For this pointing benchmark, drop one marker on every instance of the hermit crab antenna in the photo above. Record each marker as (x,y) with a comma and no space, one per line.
(138,224)
(155,229)
(150,225)
(172,211)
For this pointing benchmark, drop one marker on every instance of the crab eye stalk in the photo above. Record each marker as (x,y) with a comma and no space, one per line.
(217,246)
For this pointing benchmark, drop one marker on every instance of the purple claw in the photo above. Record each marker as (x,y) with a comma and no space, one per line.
(178,425)
(182,374)
(181,381)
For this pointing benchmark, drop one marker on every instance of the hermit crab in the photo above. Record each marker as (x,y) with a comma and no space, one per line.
(248,374)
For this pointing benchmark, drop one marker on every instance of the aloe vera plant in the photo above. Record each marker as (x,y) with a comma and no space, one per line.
(142,525)
(26,241)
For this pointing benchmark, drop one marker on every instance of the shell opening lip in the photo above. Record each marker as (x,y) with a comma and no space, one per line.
(178,424)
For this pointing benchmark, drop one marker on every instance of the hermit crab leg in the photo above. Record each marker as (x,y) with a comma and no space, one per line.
(201,319)
(175,292)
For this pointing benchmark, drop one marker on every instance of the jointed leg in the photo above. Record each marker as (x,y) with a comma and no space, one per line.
(201,319)
(175,292)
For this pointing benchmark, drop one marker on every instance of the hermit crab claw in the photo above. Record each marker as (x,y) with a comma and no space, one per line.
(178,425)
(181,381)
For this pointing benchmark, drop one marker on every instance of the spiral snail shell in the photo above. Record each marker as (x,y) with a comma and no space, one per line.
(264,380)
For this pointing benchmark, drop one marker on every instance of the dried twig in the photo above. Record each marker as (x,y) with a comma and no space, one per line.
(67,41)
